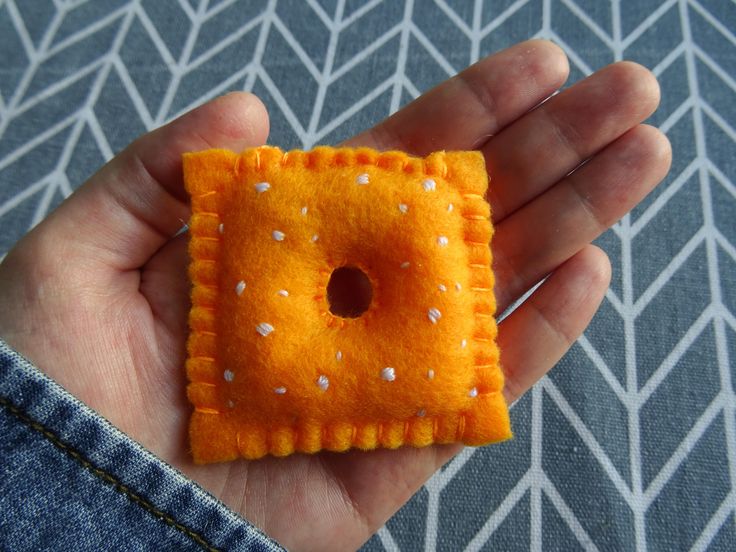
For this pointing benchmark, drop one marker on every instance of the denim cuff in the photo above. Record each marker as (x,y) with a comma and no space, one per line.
(69,480)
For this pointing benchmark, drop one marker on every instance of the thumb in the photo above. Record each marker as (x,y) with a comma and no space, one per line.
(129,209)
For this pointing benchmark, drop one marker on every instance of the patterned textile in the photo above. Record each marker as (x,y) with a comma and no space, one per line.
(630,443)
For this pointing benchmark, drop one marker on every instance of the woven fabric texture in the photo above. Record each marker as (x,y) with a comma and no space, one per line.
(630,443)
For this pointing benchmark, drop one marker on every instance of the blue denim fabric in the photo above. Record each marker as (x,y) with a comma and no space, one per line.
(630,443)
(71,481)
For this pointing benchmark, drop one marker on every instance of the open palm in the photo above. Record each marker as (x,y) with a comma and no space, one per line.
(97,295)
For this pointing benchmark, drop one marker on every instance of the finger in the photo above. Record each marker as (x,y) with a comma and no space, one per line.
(536,335)
(534,240)
(548,143)
(462,112)
(136,202)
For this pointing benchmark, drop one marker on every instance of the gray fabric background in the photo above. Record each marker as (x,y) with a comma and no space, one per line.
(631,442)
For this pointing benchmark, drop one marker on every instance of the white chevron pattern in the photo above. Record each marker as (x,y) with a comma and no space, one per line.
(608,467)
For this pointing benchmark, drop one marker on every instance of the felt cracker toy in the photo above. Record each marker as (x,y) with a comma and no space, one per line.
(342,298)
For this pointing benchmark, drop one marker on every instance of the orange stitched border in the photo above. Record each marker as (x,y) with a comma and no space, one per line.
(334,435)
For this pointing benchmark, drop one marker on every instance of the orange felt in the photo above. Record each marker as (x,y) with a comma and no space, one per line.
(420,366)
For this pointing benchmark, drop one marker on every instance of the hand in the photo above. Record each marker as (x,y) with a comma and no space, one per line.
(97,295)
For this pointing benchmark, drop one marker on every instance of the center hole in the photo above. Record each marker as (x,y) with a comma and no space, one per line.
(349,292)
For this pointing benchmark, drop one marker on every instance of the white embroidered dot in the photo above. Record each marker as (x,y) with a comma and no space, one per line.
(403,207)
(279,390)
(405,264)
(434,315)
(240,287)
(264,328)
(323,382)
(230,404)
(442,288)
(338,355)
(429,185)
(458,286)
(221,228)
(450,207)
(278,235)
(283,293)
(442,241)
(473,392)
(228,375)
(422,412)
(304,210)
(315,238)
(362,179)
(463,343)
(262,187)
(430,374)
(388,374)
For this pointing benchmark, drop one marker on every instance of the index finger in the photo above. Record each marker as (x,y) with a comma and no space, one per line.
(466,110)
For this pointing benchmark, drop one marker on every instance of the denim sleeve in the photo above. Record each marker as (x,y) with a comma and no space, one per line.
(71,481)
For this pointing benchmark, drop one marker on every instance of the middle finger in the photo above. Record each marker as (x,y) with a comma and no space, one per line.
(536,239)
(539,149)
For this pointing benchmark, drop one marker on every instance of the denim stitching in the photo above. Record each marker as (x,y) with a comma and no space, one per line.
(104,476)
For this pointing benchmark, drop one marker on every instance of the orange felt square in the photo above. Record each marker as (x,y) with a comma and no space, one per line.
(273,369)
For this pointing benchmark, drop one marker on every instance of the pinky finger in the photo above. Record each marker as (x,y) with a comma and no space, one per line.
(541,330)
